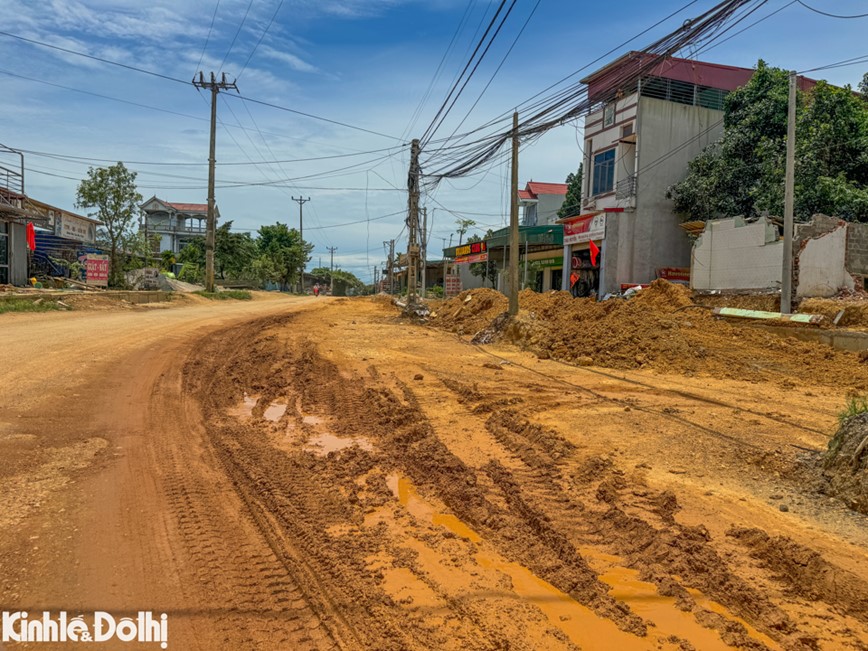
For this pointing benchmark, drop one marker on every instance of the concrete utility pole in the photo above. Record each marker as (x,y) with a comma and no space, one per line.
(300,201)
(424,248)
(390,261)
(331,250)
(787,276)
(210,231)
(413,223)
(513,222)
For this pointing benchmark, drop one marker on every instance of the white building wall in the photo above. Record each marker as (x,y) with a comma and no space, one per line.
(671,135)
(821,265)
(732,254)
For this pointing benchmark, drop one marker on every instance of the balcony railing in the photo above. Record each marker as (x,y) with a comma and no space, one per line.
(626,188)
(163,227)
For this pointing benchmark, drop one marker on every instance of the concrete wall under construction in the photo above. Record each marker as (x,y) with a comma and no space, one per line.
(736,255)
(821,264)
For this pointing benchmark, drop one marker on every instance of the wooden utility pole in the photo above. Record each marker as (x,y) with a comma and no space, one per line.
(300,201)
(513,222)
(211,226)
(413,223)
(787,274)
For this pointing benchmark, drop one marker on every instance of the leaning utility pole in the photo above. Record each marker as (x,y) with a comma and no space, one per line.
(513,222)
(424,248)
(300,201)
(331,250)
(210,233)
(391,265)
(413,223)
(787,276)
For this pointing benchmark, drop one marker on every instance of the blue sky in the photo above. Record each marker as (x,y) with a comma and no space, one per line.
(363,62)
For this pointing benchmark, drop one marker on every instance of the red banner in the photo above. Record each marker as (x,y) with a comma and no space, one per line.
(470,259)
(585,228)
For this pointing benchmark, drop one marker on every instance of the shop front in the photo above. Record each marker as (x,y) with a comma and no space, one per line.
(584,247)
(540,266)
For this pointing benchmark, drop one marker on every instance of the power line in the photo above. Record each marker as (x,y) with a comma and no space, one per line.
(234,38)
(261,36)
(840,64)
(182,81)
(73,159)
(443,111)
(825,13)
(208,38)
(95,58)
(575,101)
(315,117)
(418,111)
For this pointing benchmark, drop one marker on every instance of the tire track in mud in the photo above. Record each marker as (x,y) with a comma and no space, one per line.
(539,515)
(593,501)
(294,499)
(289,490)
(226,560)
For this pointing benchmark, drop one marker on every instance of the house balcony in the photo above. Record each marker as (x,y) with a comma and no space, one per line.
(176,229)
(626,187)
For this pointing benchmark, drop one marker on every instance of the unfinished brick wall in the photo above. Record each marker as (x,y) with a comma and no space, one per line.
(857,249)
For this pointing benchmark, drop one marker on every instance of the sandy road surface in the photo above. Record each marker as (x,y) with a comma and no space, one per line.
(317,475)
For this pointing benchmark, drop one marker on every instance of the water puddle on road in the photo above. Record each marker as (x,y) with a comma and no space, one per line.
(275,411)
(245,409)
(325,442)
(644,599)
(583,627)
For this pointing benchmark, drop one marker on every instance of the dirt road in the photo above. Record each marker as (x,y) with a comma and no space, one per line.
(300,474)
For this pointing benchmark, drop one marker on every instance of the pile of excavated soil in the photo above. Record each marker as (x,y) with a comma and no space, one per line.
(660,328)
(845,465)
(855,310)
(470,311)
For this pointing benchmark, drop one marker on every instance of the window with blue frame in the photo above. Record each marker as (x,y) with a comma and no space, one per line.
(604,172)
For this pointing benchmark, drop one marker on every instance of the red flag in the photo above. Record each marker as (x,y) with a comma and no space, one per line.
(595,251)
(574,278)
(31,237)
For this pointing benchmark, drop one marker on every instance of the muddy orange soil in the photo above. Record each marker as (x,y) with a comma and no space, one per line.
(320,474)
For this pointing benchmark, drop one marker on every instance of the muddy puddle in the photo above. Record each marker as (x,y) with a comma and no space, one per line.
(576,621)
(644,599)
(579,623)
(323,443)
(275,411)
(245,408)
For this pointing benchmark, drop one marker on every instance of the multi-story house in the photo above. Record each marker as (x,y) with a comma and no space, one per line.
(541,202)
(639,141)
(175,223)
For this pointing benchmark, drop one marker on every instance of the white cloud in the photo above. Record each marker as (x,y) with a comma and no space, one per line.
(294,62)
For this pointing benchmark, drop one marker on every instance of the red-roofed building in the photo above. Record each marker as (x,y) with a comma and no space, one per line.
(541,202)
(175,223)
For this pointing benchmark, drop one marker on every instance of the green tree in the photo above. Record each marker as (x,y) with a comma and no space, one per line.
(346,278)
(167,260)
(572,204)
(743,173)
(111,191)
(282,252)
(234,253)
(863,87)
(463,225)
(487,269)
